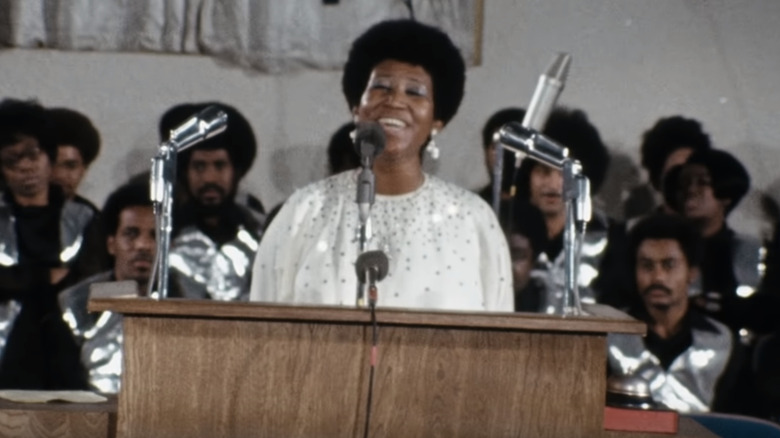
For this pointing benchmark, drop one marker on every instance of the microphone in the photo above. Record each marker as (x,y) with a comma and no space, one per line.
(371,266)
(548,89)
(523,140)
(369,143)
(201,126)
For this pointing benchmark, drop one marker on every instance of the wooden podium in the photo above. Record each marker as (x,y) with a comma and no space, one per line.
(214,369)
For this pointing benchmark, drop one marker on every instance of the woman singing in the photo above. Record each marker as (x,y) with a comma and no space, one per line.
(444,244)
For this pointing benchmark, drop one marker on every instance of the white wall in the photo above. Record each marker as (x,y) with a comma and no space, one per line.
(633,62)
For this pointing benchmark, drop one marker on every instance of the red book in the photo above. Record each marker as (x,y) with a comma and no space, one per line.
(640,420)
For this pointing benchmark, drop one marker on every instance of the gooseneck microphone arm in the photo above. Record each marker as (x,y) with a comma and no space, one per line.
(576,196)
(206,124)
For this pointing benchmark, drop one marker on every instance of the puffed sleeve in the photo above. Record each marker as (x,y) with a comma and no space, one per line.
(495,262)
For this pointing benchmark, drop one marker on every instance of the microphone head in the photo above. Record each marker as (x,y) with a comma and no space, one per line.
(559,68)
(369,139)
(207,123)
(372,260)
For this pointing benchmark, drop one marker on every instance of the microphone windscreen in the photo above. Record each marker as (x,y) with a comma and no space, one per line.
(369,139)
(372,260)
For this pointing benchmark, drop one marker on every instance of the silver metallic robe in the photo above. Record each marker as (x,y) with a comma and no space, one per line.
(748,255)
(594,245)
(74,219)
(201,269)
(98,334)
(204,270)
(689,383)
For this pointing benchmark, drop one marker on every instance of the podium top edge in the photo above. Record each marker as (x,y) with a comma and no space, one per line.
(601,319)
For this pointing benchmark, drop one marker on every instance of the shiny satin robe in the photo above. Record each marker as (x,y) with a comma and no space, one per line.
(74,219)
(689,384)
(98,334)
(203,269)
(594,245)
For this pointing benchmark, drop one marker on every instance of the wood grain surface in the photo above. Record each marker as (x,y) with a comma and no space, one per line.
(206,377)
(601,319)
(58,420)
(207,369)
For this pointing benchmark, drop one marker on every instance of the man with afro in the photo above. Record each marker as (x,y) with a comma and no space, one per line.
(216,228)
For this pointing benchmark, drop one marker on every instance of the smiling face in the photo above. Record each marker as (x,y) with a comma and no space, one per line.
(400,97)
(546,190)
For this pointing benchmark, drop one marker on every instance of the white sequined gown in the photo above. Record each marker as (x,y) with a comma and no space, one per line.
(445,246)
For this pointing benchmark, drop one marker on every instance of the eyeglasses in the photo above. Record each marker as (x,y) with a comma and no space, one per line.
(11,159)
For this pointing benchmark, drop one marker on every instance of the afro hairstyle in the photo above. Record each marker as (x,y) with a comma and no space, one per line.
(133,194)
(730,179)
(413,43)
(572,129)
(658,226)
(75,129)
(238,139)
(26,118)
(341,150)
(666,136)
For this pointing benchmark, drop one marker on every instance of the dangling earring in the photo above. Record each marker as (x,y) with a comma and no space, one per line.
(431,148)
(353,134)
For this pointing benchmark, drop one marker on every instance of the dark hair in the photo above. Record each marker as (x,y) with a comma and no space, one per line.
(730,179)
(666,136)
(341,150)
(413,43)
(238,139)
(528,221)
(26,118)
(73,128)
(666,226)
(134,194)
(572,129)
(499,119)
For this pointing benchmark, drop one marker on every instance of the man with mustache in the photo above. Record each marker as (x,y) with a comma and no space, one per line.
(690,361)
(216,229)
(129,221)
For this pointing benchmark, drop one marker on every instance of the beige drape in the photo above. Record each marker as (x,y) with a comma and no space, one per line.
(267,35)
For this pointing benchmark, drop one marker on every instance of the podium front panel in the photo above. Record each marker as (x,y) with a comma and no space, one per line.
(234,377)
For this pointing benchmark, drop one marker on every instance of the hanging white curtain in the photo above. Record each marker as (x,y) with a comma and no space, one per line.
(267,35)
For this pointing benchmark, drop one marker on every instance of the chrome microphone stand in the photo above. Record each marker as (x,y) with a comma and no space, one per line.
(207,123)
(364,233)
(161,185)
(576,195)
